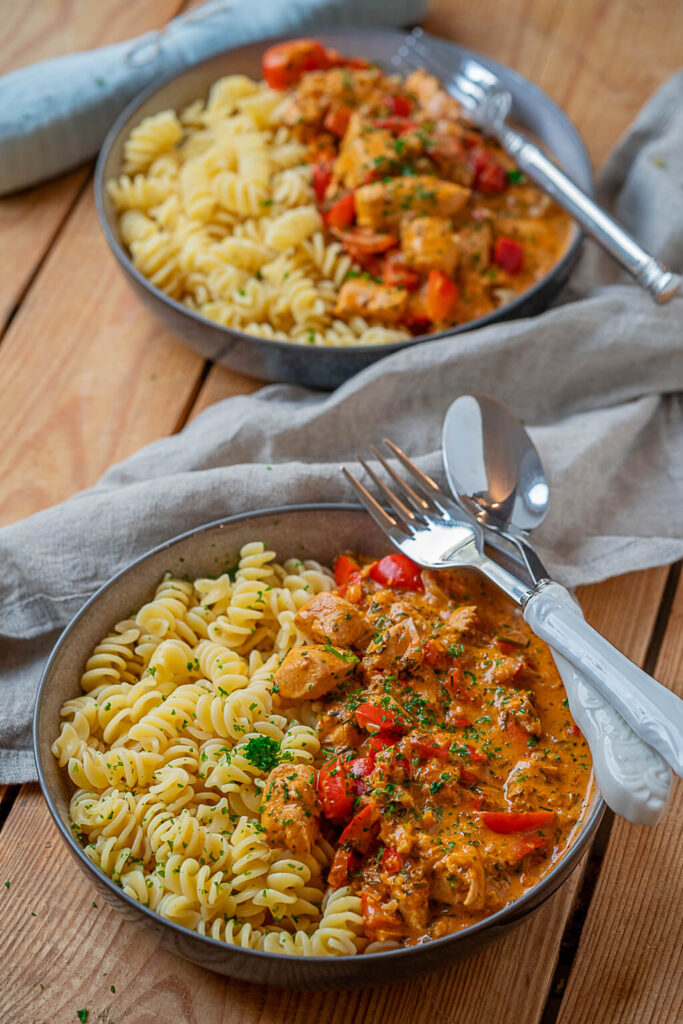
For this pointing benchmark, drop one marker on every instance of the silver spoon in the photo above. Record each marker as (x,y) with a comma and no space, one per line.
(495,473)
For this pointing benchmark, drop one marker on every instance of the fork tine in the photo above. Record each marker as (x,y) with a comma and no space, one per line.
(416,501)
(428,487)
(391,526)
(408,517)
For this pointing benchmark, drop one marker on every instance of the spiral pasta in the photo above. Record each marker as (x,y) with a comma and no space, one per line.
(160,747)
(217,209)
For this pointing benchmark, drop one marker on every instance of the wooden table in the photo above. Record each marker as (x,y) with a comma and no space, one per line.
(87,376)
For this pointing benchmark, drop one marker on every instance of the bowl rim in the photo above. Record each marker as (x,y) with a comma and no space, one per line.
(566,261)
(507,914)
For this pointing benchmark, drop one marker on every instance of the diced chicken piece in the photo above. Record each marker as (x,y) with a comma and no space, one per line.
(428,243)
(505,671)
(309,672)
(319,90)
(527,786)
(527,229)
(385,203)
(367,299)
(290,808)
(431,95)
(329,618)
(475,242)
(365,153)
(517,706)
(462,620)
(449,153)
(397,650)
(343,734)
(459,879)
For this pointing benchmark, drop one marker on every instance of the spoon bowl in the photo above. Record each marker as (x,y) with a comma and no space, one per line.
(495,472)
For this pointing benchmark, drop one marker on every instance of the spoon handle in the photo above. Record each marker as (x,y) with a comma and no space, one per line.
(654,713)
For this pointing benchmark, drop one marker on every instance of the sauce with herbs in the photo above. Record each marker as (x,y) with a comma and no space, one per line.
(453,776)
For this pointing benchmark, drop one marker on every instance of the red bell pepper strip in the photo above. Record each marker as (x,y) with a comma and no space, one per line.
(344,567)
(376,719)
(322,176)
(399,105)
(379,743)
(337,120)
(517,821)
(366,243)
(492,179)
(392,860)
(476,755)
(285,63)
(442,297)
(361,831)
(527,844)
(397,571)
(343,864)
(360,767)
(335,791)
(508,254)
(427,749)
(395,273)
(341,214)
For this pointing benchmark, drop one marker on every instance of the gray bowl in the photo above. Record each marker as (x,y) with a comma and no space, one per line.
(317,531)
(322,367)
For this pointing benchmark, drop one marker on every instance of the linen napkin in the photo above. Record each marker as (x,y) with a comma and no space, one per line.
(55,114)
(597,381)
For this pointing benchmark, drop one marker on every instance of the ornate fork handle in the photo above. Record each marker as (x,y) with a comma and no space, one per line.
(649,272)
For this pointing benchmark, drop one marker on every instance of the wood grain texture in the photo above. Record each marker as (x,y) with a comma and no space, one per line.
(97,948)
(628,966)
(31,31)
(87,374)
(599,59)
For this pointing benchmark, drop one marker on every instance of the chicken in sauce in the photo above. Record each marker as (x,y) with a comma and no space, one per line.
(452,776)
(441,225)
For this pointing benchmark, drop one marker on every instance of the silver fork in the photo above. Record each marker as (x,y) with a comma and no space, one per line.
(487,103)
(427,527)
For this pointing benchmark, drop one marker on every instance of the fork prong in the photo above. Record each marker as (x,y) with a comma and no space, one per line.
(391,526)
(418,503)
(406,514)
(428,487)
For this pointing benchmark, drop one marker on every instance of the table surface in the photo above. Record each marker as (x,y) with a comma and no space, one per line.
(88,376)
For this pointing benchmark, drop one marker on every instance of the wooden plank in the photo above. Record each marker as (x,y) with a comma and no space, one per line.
(628,965)
(599,60)
(97,948)
(30,32)
(99,375)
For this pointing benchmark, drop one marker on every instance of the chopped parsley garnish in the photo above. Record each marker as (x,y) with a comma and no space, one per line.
(263,752)
(516,177)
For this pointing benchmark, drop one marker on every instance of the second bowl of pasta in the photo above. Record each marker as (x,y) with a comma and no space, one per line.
(302,227)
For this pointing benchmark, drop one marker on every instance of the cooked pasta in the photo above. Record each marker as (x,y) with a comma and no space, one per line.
(330,205)
(167,748)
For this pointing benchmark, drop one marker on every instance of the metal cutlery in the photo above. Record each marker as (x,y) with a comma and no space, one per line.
(427,526)
(487,104)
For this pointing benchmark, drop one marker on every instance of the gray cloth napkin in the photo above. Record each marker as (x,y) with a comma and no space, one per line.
(55,114)
(597,381)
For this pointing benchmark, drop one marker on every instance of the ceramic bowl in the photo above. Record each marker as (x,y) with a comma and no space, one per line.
(314,531)
(327,367)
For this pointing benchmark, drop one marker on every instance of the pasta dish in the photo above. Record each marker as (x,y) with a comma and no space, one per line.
(323,764)
(331,204)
